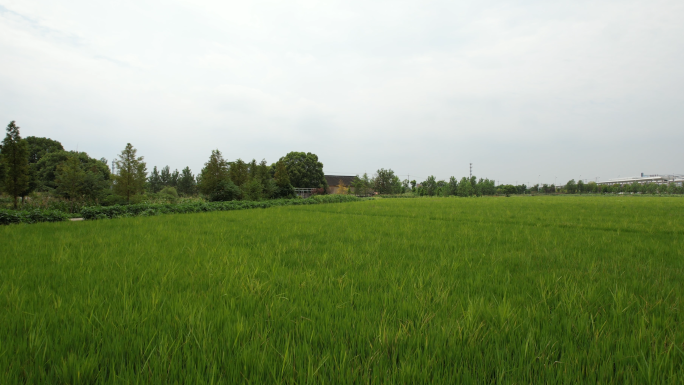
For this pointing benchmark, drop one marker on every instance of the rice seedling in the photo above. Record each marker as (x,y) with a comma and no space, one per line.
(445,290)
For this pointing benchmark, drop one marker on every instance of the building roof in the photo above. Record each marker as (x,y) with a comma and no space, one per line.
(643,179)
(334,180)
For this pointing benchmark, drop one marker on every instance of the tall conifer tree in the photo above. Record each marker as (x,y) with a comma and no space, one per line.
(214,172)
(186,182)
(154,180)
(14,156)
(132,173)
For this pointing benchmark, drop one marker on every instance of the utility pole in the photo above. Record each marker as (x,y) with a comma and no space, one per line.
(471,170)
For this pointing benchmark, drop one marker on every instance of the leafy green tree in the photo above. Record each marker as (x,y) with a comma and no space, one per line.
(465,189)
(453,186)
(580,186)
(386,182)
(591,187)
(430,185)
(132,173)
(96,183)
(304,170)
(487,187)
(70,179)
(571,187)
(413,185)
(15,154)
(362,185)
(38,147)
(405,185)
(46,168)
(214,172)
(508,189)
(186,182)
(154,181)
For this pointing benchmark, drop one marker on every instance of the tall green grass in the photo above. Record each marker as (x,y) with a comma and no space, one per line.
(487,290)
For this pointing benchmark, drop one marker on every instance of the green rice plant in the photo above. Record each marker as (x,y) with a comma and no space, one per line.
(544,289)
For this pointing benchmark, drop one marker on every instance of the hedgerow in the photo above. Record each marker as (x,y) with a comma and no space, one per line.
(145,209)
(8,217)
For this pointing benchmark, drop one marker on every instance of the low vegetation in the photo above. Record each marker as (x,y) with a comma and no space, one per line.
(558,289)
(9,217)
(104,212)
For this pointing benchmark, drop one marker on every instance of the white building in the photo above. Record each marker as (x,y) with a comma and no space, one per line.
(643,179)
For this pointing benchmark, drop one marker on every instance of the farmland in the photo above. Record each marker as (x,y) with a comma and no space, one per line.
(432,290)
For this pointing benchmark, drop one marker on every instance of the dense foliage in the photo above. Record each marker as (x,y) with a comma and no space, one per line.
(102,212)
(8,217)
(304,170)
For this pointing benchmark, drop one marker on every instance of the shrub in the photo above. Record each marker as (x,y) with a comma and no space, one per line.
(8,217)
(168,193)
(225,190)
(100,212)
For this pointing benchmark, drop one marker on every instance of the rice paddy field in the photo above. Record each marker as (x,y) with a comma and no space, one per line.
(556,289)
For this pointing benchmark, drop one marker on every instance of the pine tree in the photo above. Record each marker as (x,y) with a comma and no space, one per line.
(186,182)
(14,156)
(239,172)
(214,172)
(165,176)
(154,180)
(175,177)
(132,173)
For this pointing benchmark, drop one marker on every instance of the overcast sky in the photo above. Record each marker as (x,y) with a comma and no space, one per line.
(525,90)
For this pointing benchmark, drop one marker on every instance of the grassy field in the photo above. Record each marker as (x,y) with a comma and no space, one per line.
(446,290)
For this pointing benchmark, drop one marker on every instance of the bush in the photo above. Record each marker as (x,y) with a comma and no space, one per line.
(8,217)
(113,199)
(100,212)
(168,193)
(225,190)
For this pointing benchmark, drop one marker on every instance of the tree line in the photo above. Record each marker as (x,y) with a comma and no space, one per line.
(387,182)
(42,165)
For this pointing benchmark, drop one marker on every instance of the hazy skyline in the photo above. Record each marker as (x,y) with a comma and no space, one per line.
(525,90)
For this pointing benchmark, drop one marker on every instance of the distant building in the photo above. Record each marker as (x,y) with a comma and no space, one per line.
(643,179)
(334,182)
